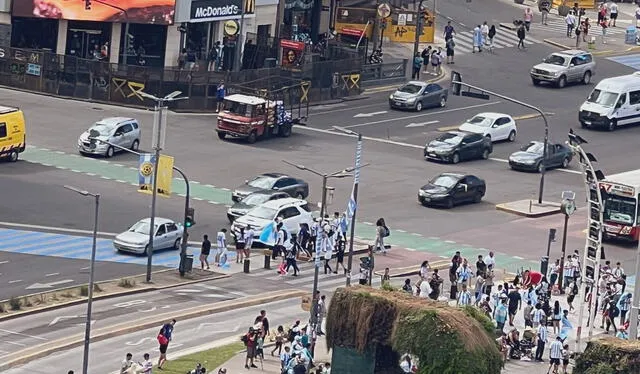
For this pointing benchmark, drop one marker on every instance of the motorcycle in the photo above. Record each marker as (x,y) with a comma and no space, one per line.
(376,57)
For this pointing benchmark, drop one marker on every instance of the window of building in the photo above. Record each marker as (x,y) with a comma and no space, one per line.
(143,45)
(34,33)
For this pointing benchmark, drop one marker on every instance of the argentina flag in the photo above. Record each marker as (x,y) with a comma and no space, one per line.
(346,218)
(269,234)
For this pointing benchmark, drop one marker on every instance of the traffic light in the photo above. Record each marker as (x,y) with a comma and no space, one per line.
(87,4)
(189,220)
(552,235)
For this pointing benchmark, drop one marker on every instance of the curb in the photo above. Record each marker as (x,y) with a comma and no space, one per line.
(393,87)
(522,213)
(102,297)
(508,26)
(411,270)
(45,349)
(556,44)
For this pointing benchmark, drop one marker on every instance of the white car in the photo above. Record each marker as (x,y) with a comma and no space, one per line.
(292,211)
(121,131)
(168,234)
(495,126)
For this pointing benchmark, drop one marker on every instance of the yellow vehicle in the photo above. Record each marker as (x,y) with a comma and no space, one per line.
(13,138)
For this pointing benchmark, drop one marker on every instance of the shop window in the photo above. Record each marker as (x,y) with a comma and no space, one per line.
(87,39)
(34,33)
(143,44)
(196,39)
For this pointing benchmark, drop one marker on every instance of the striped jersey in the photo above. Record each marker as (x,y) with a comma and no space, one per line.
(556,349)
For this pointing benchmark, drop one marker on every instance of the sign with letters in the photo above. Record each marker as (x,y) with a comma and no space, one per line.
(215,10)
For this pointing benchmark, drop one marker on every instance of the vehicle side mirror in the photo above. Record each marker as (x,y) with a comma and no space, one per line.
(117,134)
(462,187)
(494,125)
(572,65)
(276,188)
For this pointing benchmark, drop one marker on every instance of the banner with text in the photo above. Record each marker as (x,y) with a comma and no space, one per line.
(145,174)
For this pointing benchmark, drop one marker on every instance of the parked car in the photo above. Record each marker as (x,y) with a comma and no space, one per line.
(250,201)
(292,211)
(450,189)
(121,131)
(168,234)
(564,67)
(272,182)
(455,146)
(495,126)
(529,157)
(417,95)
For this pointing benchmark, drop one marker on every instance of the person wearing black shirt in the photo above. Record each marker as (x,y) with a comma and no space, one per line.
(515,303)
(204,252)
(262,318)
(481,267)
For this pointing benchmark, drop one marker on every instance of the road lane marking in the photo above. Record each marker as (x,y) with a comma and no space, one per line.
(15,281)
(21,334)
(421,115)
(531,116)
(448,128)
(360,115)
(52,274)
(420,124)
(15,343)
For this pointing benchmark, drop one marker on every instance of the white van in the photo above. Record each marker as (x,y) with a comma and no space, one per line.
(614,102)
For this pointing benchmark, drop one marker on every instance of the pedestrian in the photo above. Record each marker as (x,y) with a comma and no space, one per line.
(386,278)
(570,20)
(464,298)
(528,314)
(382,231)
(450,45)
(603,26)
(515,303)
(602,12)
(340,253)
(327,247)
(182,58)
(566,354)
(585,29)
(484,30)
(521,35)
(478,288)
(541,340)
(488,280)
(126,364)
(491,35)
(539,316)
(477,40)
(250,341)
(624,305)
(205,250)
(565,325)
(557,316)
(545,8)
(281,239)
(571,295)
(221,245)
(212,57)
(528,18)
(285,357)
(291,258)
(434,61)
(426,52)
(481,267)
(248,241)
(449,31)
(147,365)
(322,314)
(417,65)
(440,58)
(407,287)
(424,270)
(555,355)
(240,244)
(261,323)
(435,283)
(501,313)
(220,93)
(164,337)
(613,14)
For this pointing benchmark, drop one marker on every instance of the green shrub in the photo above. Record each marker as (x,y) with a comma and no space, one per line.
(609,356)
(84,291)
(126,283)
(15,303)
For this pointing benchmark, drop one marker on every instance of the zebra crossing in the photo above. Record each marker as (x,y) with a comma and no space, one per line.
(559,27)
(502,39)
(77,247)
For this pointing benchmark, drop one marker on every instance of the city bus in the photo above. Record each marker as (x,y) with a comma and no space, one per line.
(620,196)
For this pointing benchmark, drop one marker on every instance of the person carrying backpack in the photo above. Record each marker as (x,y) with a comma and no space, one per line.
(382,231)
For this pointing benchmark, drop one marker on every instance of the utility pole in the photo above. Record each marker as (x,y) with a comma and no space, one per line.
(237,63)
(419,28)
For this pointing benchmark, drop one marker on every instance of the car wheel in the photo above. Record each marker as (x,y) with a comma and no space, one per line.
(443,102)
(299,195)
(565,162)
(449,203)
(512,136)
(176,244)
(455,158)
(488,136)
(562,81)
(222,135)
(485,154)
(586,78)
(253,136)
(584,125)
(612,125)
(13,156)
(285,131)
(231,218)
(478,197)
(540,167)
(536,82)
(135,145)
(418,106)
(109,153)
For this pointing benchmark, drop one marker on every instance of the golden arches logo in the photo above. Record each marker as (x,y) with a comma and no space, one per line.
(146,169)
(249,6)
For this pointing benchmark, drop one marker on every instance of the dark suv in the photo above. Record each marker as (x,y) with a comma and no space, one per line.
(455,146)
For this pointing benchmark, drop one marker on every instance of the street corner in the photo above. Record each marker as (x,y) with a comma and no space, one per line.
(529,208)
(396,272)
(558,43)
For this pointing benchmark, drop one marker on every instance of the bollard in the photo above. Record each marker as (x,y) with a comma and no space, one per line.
(267,259)
(247,265)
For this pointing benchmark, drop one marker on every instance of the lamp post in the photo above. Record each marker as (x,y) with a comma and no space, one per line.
(158,143)
(568,207)
(87,329)
(356,183)
(339,174)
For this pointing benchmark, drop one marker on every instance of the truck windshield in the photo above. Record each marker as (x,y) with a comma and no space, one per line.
(620,209)
(238,108)
(603,98)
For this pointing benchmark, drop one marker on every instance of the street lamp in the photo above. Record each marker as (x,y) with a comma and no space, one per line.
(87,329)
(356,182)
(339,174)
(158,144)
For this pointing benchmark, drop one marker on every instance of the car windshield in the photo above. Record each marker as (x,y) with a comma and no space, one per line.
(481,121)
(262,181)
(446,181)
(255,199)
(604,98)
(449,138)
(236,107)
(102,129)
(141,228)
(554,60)
(533,147)
(263,213)
(410,88)
(620,209)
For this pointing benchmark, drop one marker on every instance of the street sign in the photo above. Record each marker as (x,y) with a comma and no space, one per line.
(402,19)
(384,10)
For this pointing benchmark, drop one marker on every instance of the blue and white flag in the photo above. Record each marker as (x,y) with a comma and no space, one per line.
(346,218)
(269,234)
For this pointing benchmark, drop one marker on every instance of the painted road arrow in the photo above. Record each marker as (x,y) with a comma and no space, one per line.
(224,325)
(37,286)
(61,318)
(420,124)
(360,115)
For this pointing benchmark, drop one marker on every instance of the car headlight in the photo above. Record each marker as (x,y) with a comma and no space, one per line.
(444,150)
(421,193)
(412,100)
(555,74)
(391,96)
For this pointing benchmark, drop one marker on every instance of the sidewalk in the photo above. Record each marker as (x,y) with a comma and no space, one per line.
(612,44)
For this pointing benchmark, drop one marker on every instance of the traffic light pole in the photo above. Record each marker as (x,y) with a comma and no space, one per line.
(419,24)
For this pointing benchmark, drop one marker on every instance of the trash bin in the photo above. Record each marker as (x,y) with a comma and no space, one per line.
(630,35)
(246,265)
(188,264)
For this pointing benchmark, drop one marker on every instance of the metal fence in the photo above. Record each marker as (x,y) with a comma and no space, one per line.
(390,72)
(69,76)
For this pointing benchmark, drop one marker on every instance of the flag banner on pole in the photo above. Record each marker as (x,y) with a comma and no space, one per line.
(346,218)
(268,234)
(145,174)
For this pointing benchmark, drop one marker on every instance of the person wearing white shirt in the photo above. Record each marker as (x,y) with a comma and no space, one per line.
(570,20)
(327,247)
(568,272)
(618,272)
(248,241)
(406,364)
(490,260)
(542,334)
(539,318)
(126,364)
(147,365)
(613,14)
(221,244)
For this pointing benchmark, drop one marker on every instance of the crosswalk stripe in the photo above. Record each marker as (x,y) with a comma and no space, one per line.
(558,24)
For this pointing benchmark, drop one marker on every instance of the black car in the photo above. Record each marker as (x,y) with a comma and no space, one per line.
(416,95)
(250,201)
(272,182)
(529,157)
(449,189)
(455,146)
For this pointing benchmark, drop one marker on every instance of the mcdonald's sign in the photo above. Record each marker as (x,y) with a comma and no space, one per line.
(216,10)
